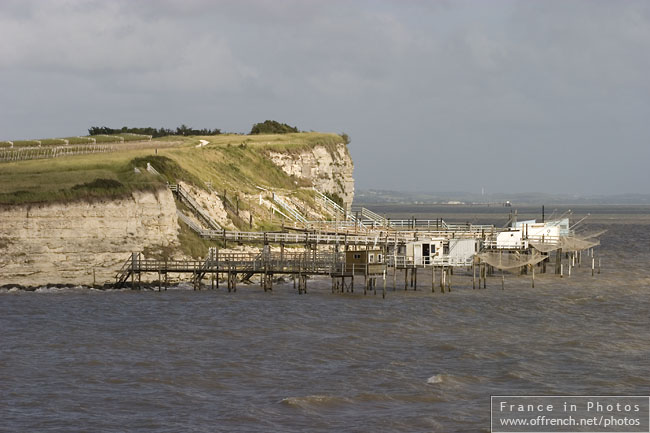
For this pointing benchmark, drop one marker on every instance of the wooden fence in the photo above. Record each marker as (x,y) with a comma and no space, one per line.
(27,153)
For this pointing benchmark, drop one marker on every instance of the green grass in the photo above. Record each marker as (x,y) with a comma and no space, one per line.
(168,168)
(133,137)
(294,142)
(79,140)
(192,244)
(119,138)
(236,163)
(71,178)
(107,139)
(52,142)
(25,143)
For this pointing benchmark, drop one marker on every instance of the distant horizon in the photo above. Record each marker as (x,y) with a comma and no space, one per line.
(532,198)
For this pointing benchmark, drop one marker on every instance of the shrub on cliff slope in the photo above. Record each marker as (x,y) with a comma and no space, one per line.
(100,188)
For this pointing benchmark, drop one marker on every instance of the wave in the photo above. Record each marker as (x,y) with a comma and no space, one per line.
(310,401)
(453,380)
(436,378)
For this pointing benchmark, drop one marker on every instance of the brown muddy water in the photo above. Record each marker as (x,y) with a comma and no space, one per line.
(84,360)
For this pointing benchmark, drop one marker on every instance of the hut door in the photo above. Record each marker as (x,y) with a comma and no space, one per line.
(425,254)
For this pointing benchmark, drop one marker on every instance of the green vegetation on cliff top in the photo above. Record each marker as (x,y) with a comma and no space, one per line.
(229,162)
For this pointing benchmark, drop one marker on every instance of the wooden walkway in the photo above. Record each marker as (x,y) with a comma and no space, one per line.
(237,267)
(345,232)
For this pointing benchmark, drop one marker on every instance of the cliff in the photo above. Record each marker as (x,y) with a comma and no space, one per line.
(86,240)
(329,170)
(64,243)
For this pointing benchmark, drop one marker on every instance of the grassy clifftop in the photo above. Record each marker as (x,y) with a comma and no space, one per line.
(231,162)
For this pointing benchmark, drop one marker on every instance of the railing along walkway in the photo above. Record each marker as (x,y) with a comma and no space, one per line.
(195,206)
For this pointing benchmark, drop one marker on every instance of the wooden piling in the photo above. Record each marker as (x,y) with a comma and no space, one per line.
(433,279)
(365,281)
(415,278)
(473,276)
(533,278)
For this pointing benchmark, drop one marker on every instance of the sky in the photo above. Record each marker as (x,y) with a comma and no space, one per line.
(506,96)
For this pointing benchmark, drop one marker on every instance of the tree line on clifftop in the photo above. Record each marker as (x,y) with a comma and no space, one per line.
(154,132)
(266,127)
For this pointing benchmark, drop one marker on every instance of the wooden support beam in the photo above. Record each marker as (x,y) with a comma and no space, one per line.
(433,279)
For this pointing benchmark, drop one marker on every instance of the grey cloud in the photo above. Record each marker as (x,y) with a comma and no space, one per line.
(441,85)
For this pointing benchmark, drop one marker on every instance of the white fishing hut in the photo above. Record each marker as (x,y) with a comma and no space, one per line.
(549,231)
(442,251)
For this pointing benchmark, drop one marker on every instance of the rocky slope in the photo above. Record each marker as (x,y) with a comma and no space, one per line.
(329,171)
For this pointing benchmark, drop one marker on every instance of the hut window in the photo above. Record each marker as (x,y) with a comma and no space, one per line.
(357,256)
(379,258)
(371,258)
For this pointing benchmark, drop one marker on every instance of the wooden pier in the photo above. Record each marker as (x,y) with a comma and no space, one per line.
(368,246)
(238,267)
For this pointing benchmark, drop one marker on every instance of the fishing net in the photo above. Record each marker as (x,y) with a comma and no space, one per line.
(510,259)
(590,234)
(545,247)
(570,244)
(579,242)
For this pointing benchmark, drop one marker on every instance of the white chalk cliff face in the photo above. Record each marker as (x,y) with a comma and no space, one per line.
(329,172)
(64,243)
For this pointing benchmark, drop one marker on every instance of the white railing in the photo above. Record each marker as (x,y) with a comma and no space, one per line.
(195,206)
(403,261)
(152,170)
(333,206)
(291,211)
(189,221)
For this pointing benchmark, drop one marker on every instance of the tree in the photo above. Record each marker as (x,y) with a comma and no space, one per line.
(181,130)
(272,127)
